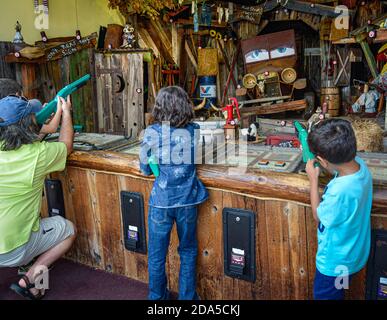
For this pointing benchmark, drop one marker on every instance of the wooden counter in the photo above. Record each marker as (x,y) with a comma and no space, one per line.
(286,232)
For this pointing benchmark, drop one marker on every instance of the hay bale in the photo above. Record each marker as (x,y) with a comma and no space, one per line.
(369,136)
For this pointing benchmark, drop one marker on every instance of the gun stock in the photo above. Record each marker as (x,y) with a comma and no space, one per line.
(154,166)
(303,136)
(50,108)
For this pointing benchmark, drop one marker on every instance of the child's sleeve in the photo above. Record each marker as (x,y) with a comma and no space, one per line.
(332,210)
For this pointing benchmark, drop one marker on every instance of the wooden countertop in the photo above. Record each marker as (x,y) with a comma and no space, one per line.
(253,182)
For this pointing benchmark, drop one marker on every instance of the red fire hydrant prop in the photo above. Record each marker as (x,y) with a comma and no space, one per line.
(230,112)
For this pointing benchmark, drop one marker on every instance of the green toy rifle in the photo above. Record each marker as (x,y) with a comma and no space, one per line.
(303,136)
(154,166)
(50,108)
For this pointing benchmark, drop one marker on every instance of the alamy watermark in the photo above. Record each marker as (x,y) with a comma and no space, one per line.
(181,147)
(342,279)
(42,19)
(41,276)
(342,20)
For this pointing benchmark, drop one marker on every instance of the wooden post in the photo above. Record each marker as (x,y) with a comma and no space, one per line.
(28,74)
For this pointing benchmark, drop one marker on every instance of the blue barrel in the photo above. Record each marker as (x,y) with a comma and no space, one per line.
(208,90)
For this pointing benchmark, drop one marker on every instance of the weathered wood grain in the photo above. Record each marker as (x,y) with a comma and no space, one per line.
(7,70)
(253,182)
(120,93)
(286,239)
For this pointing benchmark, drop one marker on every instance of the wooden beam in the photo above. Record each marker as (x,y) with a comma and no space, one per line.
(165,38)
(145,36)
(286,186)
(189,22)
(159,38)
(191,56)
(306,7)
(274,108)
(345,41)
(175,45)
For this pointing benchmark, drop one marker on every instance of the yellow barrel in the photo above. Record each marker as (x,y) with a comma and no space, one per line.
(331,96)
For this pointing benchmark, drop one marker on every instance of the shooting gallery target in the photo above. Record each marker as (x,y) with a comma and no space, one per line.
(289,75)
(249,81)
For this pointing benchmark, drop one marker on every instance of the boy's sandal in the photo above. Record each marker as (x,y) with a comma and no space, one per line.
(25,292)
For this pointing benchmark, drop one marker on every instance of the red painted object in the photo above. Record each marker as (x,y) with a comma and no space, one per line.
(230,111)
(283,141)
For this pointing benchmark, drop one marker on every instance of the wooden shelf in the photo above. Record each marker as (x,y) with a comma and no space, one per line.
(381,36)
(189,22)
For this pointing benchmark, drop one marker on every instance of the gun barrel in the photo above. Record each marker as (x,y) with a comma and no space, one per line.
(43,115)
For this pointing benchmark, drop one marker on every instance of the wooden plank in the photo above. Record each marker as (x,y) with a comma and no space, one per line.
(311,245)
(71,47)
(278,243)
(144,34)
(176,44)
(78,66)
(318,9)
(262,286)
(28,74)
(210,258)
(79,210)
(118,108)
(191,56)
(285,186)
(135,94)
(100,90)
(160,38)
(274,108)
(111,226)
(7,70)
(298,251)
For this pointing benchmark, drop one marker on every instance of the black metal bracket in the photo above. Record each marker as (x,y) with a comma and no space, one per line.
(239,244)
(55,199)
(133,221)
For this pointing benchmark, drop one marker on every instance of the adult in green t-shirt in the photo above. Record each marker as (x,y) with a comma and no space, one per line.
(25,161)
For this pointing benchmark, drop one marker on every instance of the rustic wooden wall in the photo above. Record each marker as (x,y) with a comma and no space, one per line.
(285,240)
(54,75)
(6,70)
(120,93)
(44,80)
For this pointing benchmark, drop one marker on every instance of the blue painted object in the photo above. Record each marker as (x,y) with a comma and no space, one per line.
(208,90)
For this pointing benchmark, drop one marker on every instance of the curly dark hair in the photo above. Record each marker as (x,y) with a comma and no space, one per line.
(333,140)
(174,106)
(8,87)
(26,131)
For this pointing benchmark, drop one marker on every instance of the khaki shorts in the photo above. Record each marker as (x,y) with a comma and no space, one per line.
(52,231)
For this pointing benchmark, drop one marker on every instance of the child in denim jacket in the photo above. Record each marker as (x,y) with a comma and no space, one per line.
(172,141)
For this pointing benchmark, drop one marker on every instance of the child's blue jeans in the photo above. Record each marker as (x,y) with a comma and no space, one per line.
(160,223)
(325,288)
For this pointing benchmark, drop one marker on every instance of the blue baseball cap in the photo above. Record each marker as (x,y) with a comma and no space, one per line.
(14,108)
